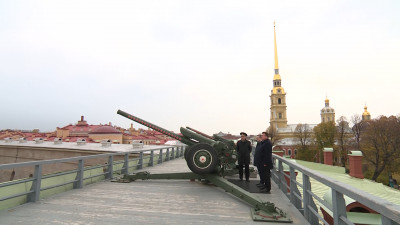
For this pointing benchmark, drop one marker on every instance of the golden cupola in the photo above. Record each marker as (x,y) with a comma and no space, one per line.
(366,115)
(327,113)
(277,89)
(326,102)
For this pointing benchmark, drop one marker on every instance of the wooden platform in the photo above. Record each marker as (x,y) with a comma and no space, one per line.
(146,202)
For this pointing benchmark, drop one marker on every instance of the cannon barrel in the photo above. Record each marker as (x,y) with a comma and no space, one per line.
(215,137)
(199,132)
(218,138)
(198,137)
(156,128)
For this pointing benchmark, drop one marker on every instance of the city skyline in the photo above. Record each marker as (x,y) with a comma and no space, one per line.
(208,65)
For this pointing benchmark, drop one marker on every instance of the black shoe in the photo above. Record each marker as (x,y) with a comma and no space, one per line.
(264,191)
(241,179)
(247,180)
(260,185)
(263,188)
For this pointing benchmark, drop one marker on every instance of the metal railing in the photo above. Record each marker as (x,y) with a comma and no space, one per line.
(146,157)
(390,213)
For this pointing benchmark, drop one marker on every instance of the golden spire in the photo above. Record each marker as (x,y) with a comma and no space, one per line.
(276,53)
(276,76)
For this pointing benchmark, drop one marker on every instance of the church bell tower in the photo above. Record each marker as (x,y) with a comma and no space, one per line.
(278,117)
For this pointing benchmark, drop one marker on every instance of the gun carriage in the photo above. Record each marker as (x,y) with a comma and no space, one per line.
(210,158)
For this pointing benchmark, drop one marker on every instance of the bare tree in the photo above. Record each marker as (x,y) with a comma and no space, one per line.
(306,150)
(357,130)
(303,134)
(380,143)
(342,138)
(273,134)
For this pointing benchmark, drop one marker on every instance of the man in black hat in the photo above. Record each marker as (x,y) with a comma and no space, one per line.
(243,148)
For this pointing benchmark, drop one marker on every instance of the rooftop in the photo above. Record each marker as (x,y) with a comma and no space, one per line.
(75,146)
(105,130)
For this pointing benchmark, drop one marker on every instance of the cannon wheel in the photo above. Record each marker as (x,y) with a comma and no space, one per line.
(202,158)
(186,153)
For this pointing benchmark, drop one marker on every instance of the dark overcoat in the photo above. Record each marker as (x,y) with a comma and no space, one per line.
(243,149)
(263,154)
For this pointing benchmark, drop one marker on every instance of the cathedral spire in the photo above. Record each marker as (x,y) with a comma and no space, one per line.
(276,53)
(278,117)
(277,77)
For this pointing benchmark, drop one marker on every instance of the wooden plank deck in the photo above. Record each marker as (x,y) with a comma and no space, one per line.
(146,202)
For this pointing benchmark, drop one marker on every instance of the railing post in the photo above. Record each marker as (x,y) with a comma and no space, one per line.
(167,155)
(125,169)
(308,201)
(281,178)
(172,153)
(36,184)
(182,151)
(293,189)
(79,175)
(273,171)
(140,163)
(110,171)
(338,208)
(160,157)
(151,161)
(177,152)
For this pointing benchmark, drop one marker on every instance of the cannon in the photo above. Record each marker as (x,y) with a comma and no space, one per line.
(205,154)
(210,158)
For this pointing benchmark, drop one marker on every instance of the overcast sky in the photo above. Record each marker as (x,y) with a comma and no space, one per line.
(204,64)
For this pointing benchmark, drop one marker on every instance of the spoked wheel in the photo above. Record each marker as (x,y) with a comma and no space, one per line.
(202,158)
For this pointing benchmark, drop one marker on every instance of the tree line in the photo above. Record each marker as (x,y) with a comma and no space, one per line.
(378,139)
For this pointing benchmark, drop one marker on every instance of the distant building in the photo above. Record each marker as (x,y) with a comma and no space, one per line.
(92,134)
(106,133)
(284,133)
(71,133)
(278,118)
(327,113)
(27,135)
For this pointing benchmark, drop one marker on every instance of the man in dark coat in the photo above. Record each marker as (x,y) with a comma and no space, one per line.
(263,161)
(243,148)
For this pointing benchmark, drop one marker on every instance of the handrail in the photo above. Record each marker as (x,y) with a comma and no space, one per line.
(32,195)
(52,161)
(390,212)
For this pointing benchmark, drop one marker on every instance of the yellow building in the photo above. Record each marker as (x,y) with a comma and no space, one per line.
(327,113)
(106,133)
(278,117)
